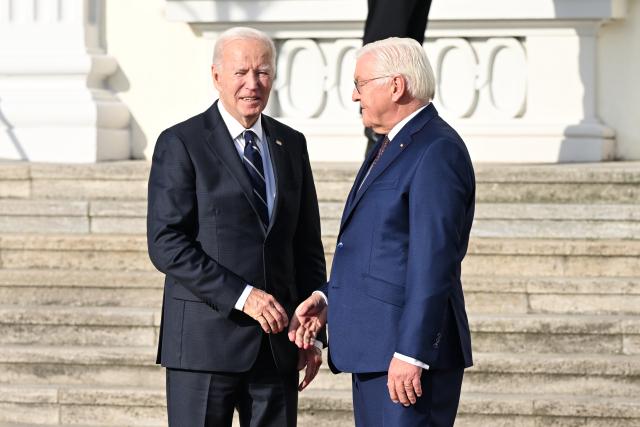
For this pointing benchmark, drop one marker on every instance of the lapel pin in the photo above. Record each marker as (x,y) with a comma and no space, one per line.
(401,145)
(278,142)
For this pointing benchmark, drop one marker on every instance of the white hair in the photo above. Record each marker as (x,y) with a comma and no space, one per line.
(406,57)
(243,33)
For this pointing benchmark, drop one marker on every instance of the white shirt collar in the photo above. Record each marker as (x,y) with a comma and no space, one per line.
(234,126)
(398,127)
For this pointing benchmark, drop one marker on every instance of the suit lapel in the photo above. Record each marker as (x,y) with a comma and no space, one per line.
(220,141)
(278,159)
(395,148)
(361,173)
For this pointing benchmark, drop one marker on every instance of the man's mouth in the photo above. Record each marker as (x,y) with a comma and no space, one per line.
(250,98)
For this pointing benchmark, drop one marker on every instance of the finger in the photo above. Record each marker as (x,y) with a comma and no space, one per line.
(293,327)
(274,316)
(263,323)
(308,338)
(392,391)
(402,394)
(300,337)
(271,321)
(309,374)
(417,385)
(411,395)
(282,311)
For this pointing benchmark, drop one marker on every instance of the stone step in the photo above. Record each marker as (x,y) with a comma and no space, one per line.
(612,182)
(81,288)
(136,406)
(533,410)
(36,406)
(544,333)
(483,294)
(486,256)
(78,326)
(80,365)
(492,219)
(118,327)
(559,295)
(579,374)
(572,374)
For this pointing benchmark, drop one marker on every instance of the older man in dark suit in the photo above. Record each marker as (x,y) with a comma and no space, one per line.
(233,222)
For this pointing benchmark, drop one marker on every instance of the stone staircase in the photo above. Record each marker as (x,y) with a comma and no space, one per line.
(552,283)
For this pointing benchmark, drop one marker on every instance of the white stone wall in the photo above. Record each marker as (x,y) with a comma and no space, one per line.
(54,105)
(526,81)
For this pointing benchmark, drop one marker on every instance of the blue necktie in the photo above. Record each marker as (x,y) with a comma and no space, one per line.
(252,161)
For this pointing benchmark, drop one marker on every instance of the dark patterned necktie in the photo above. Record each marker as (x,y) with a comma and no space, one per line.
(253,164)
(383,146)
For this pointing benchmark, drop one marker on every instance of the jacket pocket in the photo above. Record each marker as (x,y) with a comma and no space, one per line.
(384,291)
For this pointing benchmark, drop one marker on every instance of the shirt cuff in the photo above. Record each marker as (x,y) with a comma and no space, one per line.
(318,344)
(243,298)
(411,360)
(324,297)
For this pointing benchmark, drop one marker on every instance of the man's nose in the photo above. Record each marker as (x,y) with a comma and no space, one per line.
(252,80)
(355,95)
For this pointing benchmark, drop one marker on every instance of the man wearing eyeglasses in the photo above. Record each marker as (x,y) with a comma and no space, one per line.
(396,312)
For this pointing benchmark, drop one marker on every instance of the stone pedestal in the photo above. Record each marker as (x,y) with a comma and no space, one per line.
(54,106)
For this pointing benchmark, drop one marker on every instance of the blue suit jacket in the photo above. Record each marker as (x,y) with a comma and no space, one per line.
(395,280)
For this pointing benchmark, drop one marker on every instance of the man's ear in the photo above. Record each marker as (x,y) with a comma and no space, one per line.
(215,75)
(398,87)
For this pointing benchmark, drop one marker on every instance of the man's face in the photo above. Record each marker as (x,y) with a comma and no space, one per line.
(244,78)
(374,95)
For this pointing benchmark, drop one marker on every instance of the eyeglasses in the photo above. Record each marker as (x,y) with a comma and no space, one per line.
(359,84)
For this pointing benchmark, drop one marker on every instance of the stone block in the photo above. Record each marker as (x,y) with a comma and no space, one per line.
(333,191)
(15,189)
(495,302)
(585,304)
(43,224)
(86,189)
(82,297)
(118,225)
(106,336)
(113,415)
(81,374)
(119,208)
(40,414)
(85,260)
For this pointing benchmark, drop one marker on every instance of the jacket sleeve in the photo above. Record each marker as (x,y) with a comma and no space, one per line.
(439,198)
(172,224)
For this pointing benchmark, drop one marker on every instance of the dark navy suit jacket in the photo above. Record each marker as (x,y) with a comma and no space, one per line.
(205,234)
(395,280)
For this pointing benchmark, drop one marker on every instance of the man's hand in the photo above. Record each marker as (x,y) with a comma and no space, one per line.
(266,310)
(308,319)
(312,359)
(404,382)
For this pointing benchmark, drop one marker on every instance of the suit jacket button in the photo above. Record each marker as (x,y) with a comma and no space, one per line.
(340,245)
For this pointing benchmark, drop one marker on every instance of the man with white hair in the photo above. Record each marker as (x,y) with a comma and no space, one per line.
(396,312)
(233,223)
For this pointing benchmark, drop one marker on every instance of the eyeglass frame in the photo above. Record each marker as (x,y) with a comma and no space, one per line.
(358,84)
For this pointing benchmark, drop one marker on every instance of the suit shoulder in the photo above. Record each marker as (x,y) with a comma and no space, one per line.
(184,130)
(281,128)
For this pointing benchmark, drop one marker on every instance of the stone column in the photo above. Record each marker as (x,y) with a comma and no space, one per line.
(54,105)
